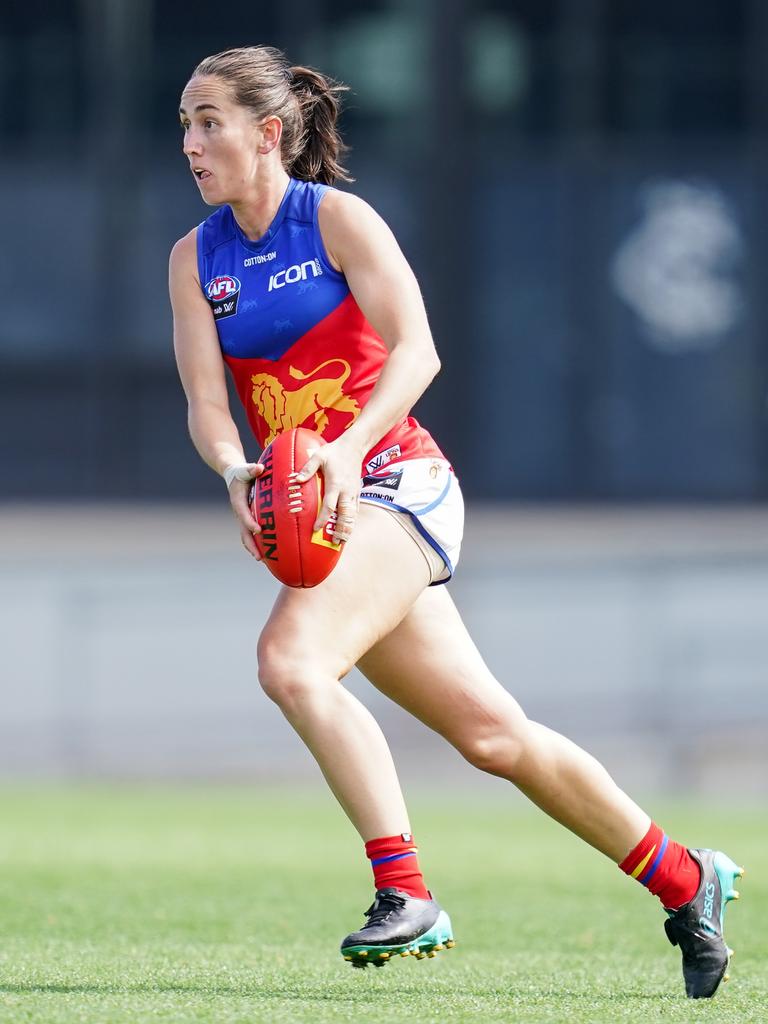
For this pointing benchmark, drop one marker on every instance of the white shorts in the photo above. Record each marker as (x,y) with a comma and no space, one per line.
(424,496)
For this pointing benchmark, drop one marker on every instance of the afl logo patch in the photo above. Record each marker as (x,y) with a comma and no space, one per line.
(223,294)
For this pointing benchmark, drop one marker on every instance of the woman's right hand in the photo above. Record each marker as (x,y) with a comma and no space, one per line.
(239,480)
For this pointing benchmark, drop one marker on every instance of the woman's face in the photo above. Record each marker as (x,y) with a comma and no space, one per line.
(221,140)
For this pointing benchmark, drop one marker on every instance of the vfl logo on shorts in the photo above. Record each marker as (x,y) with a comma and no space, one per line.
(223,294)
(381,458)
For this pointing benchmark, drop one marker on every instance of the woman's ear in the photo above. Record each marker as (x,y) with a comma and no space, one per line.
(271,132)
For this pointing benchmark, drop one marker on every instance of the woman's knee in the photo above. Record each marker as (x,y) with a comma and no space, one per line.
(283,673)
(498,750)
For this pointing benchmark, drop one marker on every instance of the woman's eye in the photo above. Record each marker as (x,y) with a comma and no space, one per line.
(209,124)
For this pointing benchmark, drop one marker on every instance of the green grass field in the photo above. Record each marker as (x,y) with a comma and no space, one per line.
(227,905)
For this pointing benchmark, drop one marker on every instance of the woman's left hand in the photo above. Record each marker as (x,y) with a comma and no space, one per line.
(340,464)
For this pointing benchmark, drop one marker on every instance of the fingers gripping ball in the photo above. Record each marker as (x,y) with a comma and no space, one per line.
(286,512)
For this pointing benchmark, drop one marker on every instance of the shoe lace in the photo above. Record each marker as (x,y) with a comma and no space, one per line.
(381,909)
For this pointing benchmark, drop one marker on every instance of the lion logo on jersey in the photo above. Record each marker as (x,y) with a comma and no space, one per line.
(281,408)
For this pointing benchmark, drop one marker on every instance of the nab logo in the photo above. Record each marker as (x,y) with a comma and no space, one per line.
(223,294)
(298,272)
(221,288)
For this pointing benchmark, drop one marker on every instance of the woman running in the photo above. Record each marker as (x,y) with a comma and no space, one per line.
(302,291)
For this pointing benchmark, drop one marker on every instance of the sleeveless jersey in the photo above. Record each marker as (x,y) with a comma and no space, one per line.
(297,344)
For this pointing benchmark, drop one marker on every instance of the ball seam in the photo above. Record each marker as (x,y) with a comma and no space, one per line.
(296,519)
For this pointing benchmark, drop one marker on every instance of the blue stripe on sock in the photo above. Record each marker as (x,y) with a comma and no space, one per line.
(393,856)
(645,880)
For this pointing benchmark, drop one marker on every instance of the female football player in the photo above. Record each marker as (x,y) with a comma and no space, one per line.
(302,291)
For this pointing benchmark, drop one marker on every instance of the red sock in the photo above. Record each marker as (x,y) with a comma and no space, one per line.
(664,867)
(394,863)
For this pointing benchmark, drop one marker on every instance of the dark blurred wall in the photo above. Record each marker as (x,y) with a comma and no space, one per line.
(579,184)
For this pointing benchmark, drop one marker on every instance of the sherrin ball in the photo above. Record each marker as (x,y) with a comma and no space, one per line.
(286,510)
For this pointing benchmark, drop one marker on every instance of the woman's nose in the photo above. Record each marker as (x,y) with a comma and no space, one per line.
(191,144)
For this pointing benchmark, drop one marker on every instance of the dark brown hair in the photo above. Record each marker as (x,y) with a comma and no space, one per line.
(305,101)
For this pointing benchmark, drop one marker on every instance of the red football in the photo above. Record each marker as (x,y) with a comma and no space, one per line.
(286,511)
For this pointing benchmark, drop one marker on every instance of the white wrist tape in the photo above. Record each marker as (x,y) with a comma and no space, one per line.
(241,472)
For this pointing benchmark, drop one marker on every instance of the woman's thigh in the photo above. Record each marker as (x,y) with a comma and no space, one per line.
(430,666)
(377,579)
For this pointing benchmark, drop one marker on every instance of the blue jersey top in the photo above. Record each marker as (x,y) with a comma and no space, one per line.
(266,294)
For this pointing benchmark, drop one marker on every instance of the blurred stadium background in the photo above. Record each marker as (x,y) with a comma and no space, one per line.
(580,186)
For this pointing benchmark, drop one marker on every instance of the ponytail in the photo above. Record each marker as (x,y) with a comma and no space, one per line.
(306,102)
(320,146)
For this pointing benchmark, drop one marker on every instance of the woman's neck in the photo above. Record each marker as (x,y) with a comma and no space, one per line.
(255,213)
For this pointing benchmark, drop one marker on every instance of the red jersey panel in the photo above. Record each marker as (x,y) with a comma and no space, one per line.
(322,382)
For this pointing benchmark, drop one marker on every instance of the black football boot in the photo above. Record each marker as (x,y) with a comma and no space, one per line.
(697,927)
(398,923)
